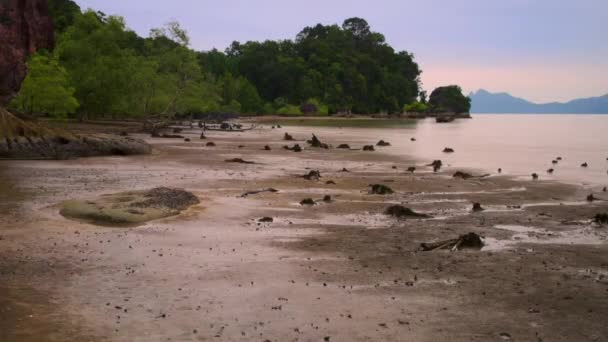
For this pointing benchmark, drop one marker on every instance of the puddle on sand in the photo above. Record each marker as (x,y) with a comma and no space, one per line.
(534,235)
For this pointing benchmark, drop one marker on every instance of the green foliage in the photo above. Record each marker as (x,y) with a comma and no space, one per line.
(289,110)
(330,69)
(46,89)
(415,107)
(63,13)
(449,99)
(315,107)
(349,68)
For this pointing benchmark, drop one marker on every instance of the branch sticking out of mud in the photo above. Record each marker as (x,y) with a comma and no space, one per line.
(467,241)
(239,161)
(255,192)
(402,212)
(380,189)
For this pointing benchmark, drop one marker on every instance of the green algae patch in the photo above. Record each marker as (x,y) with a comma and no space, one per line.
(129,208)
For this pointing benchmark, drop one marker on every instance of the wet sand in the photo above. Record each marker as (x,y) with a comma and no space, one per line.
(339,271)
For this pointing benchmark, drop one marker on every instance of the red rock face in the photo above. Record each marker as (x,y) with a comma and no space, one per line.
(25,26)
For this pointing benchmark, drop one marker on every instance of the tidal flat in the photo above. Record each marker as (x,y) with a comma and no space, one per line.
(337,270)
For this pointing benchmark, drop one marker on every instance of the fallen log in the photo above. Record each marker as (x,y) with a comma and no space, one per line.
(467,241)
(255,192)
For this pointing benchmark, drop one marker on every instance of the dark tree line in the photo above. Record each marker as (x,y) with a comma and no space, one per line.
(101,68)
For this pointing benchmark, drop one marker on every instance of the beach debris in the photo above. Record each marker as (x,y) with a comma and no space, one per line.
(241,146)
(255,192)
(584,165)
(266,220)
(399,211)
(601,218)
(436,164)
(307,201)
(505,336)
(462,175)
(327,199)
(477,207)
(123,134)
(499,170)
(535,176)
(380,189)
(312,175)
(369,148)
(295,148)
(466,241)
(413,139)
(279,126)
(315,142)
(448,150)
(267,148)
(558,158)
(210,144)
(550,171)
(288,137)
(203,137)
(411,169)
(132,207)
(330,182)
(383,143)
(605,189)
(554,162)
(239,161)
(344,146)
(167,136)
(591,198)
(187,139)
(344,170)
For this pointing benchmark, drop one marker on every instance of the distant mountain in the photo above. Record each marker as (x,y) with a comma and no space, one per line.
(483,101)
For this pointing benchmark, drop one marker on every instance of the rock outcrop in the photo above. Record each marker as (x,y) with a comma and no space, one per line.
(25,27)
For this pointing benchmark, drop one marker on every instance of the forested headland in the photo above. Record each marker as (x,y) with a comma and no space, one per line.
(102,69)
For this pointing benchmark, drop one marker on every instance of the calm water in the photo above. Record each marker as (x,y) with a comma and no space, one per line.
(519,144)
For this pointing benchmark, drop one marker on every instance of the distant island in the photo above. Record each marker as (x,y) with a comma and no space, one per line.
(483,101)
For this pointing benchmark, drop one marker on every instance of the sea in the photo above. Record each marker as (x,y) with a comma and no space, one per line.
(519,144)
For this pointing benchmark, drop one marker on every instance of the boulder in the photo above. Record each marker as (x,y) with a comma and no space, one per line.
(411,169)
(448,150)
(130,208)
(369,148)
(288,137)
(383,143)
(344,146)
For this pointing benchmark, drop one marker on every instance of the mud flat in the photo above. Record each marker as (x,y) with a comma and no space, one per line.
(336,270)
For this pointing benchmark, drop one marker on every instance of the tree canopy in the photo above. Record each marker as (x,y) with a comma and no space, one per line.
(449,99)
(111,71)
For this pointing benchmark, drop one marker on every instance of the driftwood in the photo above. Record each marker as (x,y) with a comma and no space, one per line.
(467,241)
(465,175)
(239,161)
(380,189)
(312,175)
(400,212)
(255,192)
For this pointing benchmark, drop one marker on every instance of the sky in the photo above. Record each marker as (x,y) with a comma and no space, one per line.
(541,50)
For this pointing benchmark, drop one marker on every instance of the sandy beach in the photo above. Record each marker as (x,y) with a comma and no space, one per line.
(336,271)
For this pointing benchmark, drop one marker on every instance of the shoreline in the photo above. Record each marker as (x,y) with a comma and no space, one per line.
(340,270)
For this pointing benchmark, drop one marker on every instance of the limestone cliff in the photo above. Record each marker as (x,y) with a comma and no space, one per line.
(25,27)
